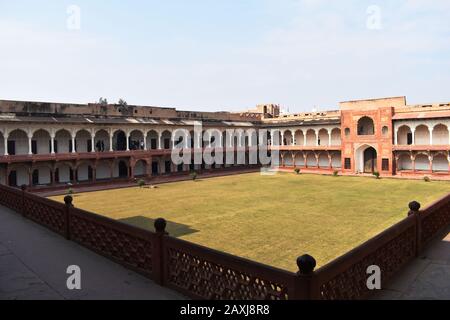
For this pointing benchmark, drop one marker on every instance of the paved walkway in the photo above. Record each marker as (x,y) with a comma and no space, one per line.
(425,278)
(34,260)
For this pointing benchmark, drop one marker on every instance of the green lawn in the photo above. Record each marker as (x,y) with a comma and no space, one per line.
(270,219)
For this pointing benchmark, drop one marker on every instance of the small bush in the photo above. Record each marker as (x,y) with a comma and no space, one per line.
(297,170)
(194,175)
(426,179)
(70,191)
(335,173)
(141,183)
(376,175)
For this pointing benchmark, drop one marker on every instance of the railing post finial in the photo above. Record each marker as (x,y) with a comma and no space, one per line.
(160,225)
(306,264)
(68,201)
(414,208)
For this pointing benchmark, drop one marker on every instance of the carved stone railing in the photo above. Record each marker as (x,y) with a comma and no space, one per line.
(203,273)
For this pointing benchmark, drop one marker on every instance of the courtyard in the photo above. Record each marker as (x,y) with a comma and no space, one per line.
(271,219)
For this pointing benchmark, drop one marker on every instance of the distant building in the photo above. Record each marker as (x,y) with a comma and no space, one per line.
(52,144)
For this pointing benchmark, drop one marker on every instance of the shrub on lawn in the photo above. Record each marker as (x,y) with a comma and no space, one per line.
(194,175)
(335,173)
(376,175)
(297,170)
(70,191)
(141,183)
(426,179)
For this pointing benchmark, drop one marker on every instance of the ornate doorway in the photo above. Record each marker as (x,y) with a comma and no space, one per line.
(370,160)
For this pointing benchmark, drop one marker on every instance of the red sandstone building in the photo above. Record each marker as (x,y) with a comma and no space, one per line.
(53,144)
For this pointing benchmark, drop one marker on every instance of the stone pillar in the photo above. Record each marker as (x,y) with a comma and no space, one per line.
(317,139)
(413,163)
(5,139)
(74,147)
(128,141)
(111,135)
(413,131)
(282,139)
(431,163)
(329,138)
(159,140)
(431,136)
(30,149)
(304,139)
(145,142)
(52,144)
(93,142)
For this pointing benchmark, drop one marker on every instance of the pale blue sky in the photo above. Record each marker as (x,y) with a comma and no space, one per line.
(225,55)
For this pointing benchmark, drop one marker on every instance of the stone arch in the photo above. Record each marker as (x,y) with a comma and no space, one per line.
(140,168)
(324,161)
(19,174)
(324,138)
(166,139)
(152,140)
(253,135)
(347,132)
(63,172)
(404,135)
(366,159)
(299,159)
(405,162)
(40,142)
(18,142)
(336,160)
(311,138)
(440,163)
(41,175)
(102,140)
(422,162)
(103,170)
(288,138)
(119,140)
(83,141)
(275,136)
(299,138)
(311,160)
(63,141)
(440,135)
(121,168)
(84,171)
(336,137)
(366,126)
(422,135)
(136,140)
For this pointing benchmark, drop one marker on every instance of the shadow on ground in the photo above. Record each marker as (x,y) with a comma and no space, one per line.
(174,229)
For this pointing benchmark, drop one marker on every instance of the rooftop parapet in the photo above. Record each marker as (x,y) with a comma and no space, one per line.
(70,110)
